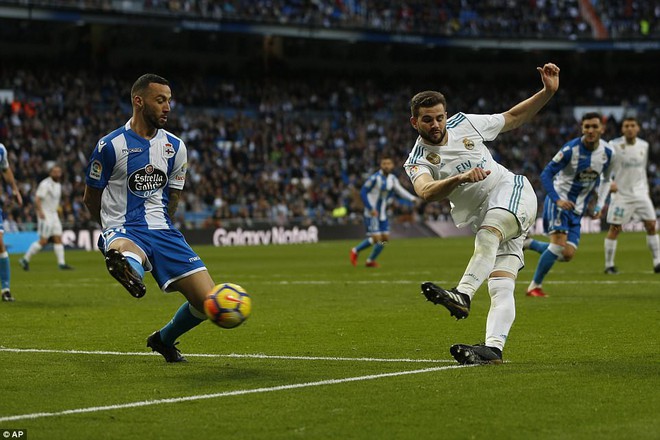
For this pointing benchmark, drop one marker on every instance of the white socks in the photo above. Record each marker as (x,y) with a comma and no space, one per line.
(482,262)
(653,242)
(610,251)
(502,311)
(34,249)
(59,253)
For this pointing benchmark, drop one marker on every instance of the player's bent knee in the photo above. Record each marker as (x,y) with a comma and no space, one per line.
(195,288)
(506,266)
(502,221)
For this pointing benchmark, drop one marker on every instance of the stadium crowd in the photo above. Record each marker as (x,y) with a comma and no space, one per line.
(278,150)
(556,19)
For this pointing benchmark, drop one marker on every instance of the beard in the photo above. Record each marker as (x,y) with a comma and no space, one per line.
(153,119)
(428,137)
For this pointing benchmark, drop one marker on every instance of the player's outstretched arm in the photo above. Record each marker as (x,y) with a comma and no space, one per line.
(524,111)
(436,190)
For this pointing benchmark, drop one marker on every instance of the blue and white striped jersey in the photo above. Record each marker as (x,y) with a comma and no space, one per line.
(136,175)
(378,190)
(4,162)
(575,171)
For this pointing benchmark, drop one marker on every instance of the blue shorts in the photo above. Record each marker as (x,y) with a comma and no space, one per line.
(375,226)
(169,256)
(556,219)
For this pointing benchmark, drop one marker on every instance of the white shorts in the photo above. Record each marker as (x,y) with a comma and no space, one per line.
(49,227)
(623,210)
(519,198)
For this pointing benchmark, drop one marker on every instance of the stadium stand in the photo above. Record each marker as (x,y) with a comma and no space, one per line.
(558,19)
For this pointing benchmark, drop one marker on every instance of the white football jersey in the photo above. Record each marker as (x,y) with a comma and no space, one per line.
(629,168)
(49,193)
(465,150)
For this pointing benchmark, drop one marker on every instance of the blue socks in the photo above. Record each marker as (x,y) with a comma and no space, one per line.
(546,262)
(4,270)
(363,245)
(378,248)
(538,246)
(135,264)
(183,320)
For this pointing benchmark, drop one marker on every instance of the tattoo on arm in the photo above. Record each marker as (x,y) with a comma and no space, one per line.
(174,202)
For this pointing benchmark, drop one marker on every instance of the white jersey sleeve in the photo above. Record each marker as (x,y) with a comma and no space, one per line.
(488,126)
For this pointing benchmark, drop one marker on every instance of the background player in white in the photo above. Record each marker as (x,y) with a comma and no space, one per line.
(630,197)
(376,193)
(569,180)
(5,273)
(47,203)
(134,181)
(449,160)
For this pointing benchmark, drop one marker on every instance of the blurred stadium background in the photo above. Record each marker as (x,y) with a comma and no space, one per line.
(286,105)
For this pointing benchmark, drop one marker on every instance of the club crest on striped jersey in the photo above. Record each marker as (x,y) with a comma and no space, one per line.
(468,143)
(146,181)
(169,152)
(434,158)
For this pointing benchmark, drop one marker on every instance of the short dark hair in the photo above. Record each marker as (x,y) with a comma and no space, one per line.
(428,98)
(630,118)
(592,115)
(141,84)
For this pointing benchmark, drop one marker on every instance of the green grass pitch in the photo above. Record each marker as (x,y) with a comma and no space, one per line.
(581,364)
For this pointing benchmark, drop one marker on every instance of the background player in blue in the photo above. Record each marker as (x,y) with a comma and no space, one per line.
(134,179)
(569,179)
(376,193)
(5,273)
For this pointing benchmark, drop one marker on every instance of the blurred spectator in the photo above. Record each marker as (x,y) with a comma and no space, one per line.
(276,150)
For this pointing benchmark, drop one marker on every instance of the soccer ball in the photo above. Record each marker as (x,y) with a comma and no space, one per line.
(228,305)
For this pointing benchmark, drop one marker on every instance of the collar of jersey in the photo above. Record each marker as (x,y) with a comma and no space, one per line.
(129,130)
(433,148)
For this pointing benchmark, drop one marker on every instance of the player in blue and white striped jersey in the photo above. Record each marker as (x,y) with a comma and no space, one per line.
(377,193)
(569,179)
(134,180)
(8,176)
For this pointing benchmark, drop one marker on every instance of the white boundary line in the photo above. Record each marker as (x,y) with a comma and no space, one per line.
(223,394)
(331,282)
(230,355)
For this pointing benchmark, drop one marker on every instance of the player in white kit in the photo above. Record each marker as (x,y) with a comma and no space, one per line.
(49,226)
(630,197)
(450,161)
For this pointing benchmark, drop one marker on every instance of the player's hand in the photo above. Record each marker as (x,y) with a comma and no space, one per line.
(19,199)
(41,215)
(474,175)
(374,213)
(596,214)
(613,187)
(550,77)
(566,205)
